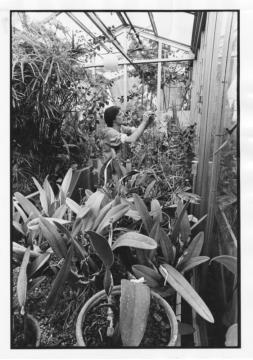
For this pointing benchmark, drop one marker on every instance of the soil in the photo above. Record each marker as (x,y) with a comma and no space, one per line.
(157,332)
(57,325)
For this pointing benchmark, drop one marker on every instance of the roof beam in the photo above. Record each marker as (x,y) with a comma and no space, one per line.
(151,18)
(83,27)
(121,18)
(95,19)
(145,61)
(133,28)
(149,35)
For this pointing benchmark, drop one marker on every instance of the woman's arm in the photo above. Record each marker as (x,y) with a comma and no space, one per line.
(139,131)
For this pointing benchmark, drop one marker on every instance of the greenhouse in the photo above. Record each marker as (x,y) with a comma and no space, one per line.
(124,159)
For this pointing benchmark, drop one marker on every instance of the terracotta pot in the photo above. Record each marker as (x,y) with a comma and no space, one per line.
(95,299)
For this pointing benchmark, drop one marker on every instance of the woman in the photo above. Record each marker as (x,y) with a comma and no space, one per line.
(116,134)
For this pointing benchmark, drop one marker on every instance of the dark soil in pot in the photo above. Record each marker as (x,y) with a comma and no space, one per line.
(157,332)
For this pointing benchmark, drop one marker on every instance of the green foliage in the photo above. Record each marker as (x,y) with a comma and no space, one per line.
(53,116)
(134,310)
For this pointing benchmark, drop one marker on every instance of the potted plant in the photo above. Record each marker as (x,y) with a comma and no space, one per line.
(131,305)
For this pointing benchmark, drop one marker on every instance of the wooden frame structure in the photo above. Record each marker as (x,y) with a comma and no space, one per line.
(208,109)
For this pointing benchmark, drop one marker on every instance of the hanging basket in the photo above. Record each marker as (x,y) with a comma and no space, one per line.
(95,299)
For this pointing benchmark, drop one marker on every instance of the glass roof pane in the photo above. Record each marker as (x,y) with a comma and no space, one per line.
(110,19)
(175,26)
(140,19)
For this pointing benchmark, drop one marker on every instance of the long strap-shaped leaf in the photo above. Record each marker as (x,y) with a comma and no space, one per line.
(60,279)
(143,211)
(43,196)
(193,250)
(136,240)
(230,262)
(102,248)
(22,281)
(113,215)
(151,277)
(66,181)
(27,205)
(176,228)
(193,262)
(134,310)
(53,237)
(182,286)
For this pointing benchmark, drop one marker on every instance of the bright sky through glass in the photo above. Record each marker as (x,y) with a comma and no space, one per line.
(175,26)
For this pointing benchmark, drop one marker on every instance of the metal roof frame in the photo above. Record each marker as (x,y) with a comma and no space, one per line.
(100,25)
(138,31)
(152,21)
(82,26)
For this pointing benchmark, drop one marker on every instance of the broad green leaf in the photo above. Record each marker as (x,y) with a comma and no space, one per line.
(38,263)
(136,240)
(20,211)
(60,279)
(134,311)
(149,188)
(63,229)
(193,262)
(152,277)
(102,214)
(232,336)
(133,214)
(88,222)
(27,205)
(22,281)
(184,225)
(84,210)
(80,250)
(182,286)
(19,251)
(94,202)
(156,210)
(61,196)
(193,250)
(230,262)
(185,329)
(176,228)
(32,331)
(49,192)
(102,248)
(59,221)
(198,222)
(66,182)
(53,237)
(73,205)
(192,198)
(88,193)
(143,211)
(60,211)
(43,197)
(18,227)
(166,247)
(108,281)
(112,215)
(154,234)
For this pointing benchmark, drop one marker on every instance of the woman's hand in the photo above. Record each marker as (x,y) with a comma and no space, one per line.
(148,118)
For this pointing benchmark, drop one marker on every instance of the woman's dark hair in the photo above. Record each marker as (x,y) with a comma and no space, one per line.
(110,115)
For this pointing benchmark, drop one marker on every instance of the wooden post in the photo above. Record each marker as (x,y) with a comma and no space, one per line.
(210,52)
(219,115)
(159,76)
(125,71)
